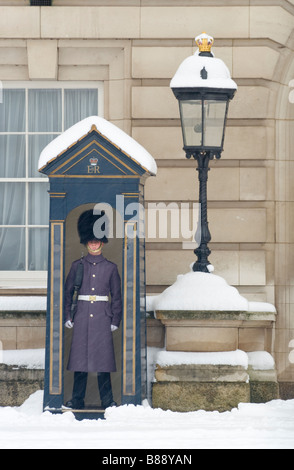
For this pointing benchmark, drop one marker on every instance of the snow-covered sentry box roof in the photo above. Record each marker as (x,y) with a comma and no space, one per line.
(203,70)
(106,129)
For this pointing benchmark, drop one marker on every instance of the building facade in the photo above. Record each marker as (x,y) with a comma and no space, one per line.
(74,58)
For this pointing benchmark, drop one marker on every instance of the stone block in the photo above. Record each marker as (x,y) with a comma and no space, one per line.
(8,337)
(262,392)
(154,102)
(238,225)
(22,330)
(252,268)
(253,184)
(192,396)
(31,338)
(168,186)
(254,102)
(183,21)
(201,339)
(232,265)
(254,62)
(21,22)
(155,333)
(251,339)
(227,225)
(164,143)
(42,59)
(157,62)
(249,143)
(286,390)
(16,385)
(90,22)
(273,22)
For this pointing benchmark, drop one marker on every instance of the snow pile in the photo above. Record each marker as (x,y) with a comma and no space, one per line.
(203,291)
(261,360)
(257,360)
(28,358)
(24,303)
(200,291)
(250,426)
(111,132)
(261,307)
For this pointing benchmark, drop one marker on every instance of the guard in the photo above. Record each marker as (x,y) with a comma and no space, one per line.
(95,318)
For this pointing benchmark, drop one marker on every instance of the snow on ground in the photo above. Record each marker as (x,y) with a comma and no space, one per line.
(250,426)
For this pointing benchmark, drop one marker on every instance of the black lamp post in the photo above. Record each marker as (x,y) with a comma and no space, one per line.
(203,87)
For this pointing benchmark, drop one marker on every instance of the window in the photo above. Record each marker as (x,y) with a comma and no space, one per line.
(31,115)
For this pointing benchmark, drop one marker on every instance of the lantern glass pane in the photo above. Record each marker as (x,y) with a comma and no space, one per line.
(214,122)
(191,117)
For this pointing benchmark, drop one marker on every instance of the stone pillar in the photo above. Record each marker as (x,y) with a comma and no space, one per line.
(207,362)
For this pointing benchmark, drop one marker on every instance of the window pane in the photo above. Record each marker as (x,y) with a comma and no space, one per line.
(36,144)
(38,249)
(12,249)
(12,156)
(79,104)
(45,110)
(12,111)
(191,115)
(214,117)
(12,204)
(38,204)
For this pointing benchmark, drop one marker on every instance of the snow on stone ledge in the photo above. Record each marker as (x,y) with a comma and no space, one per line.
(257,360)
(232,358)
(25,303)
(261,307)
(204,291)
(261,360)
(28,358)
(111,132)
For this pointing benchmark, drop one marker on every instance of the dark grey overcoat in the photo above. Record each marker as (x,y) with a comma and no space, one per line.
(92,344)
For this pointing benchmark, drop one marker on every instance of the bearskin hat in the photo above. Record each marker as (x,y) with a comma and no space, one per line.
(86,224)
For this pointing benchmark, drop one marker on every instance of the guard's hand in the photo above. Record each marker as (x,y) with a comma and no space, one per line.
(113,327)
(68,324)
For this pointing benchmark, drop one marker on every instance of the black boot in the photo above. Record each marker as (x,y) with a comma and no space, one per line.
(105,389)
(79,391)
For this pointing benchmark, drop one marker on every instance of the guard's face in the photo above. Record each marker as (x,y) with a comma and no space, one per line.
(94,246)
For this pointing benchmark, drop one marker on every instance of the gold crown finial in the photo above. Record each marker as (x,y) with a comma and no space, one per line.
(204,42)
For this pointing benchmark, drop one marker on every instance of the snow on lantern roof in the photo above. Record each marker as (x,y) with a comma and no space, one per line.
(190,75)
(108,130)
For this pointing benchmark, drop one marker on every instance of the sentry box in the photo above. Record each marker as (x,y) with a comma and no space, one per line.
(95,165)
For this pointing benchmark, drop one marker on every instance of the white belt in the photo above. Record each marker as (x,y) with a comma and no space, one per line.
(94,298)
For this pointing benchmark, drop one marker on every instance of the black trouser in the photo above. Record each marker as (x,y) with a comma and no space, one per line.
(104,385)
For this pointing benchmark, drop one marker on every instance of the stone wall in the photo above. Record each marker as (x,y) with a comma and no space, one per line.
(135,47)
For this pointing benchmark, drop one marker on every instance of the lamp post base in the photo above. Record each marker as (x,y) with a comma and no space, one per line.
(202,253)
